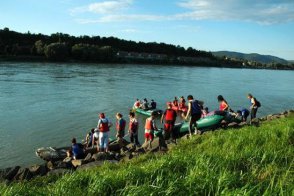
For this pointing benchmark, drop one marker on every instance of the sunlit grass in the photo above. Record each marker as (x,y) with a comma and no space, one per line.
(250,161)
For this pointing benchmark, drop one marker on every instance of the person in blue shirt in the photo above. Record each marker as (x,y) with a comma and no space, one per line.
(153,104)
(243,113)
(77,149)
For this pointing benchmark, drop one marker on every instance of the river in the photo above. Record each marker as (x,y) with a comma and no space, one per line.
(46,104)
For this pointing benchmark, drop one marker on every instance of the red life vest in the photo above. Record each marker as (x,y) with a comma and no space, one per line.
(149,124)
(103,126)
(122,126)
(137,103)
(182,105)
(175,103)
(170,114)
(133,125)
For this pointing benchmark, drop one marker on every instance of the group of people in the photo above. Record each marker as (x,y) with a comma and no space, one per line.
(195,110)
(144,104)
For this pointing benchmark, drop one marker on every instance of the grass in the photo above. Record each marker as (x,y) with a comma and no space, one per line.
(248,161)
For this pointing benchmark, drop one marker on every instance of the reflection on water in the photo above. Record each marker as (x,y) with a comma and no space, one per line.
(46,104)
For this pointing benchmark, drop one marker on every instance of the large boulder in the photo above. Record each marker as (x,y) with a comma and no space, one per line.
(8,173)
(233,125)
(100,156)
(157,144)
(90,165)
(59,172)
(23,174)
(38,170)
(78,162)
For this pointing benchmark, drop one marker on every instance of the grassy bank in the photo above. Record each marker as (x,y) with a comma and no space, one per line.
(249,161)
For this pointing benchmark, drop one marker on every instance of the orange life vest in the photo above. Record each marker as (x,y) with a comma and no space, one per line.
(149,124)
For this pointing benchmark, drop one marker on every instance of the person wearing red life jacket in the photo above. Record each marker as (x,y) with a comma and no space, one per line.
(103,126)
(182,105)
(120,127)
(169,116)
(223,104)
(150,127)
(133,129)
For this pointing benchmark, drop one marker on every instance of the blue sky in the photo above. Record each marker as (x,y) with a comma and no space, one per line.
(262,26)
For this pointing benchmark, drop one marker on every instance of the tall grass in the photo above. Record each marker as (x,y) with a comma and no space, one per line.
(250,161)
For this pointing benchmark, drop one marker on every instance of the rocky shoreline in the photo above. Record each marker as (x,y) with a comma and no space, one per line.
(61,165)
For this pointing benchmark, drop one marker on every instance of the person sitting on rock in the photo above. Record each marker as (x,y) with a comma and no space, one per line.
(133,129)
(77,149)
(120,127)
(243,114)
(89,138)
(103,125)
(150,127)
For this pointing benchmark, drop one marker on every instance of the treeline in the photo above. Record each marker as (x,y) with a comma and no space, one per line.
(59,46)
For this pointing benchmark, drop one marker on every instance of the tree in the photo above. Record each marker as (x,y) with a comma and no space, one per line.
(39,46)
(56,51)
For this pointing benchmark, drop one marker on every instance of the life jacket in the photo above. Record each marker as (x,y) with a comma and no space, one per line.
(137,103)
(103,125)
(182,105)
(170,114)
(222,106)
(120,127)
(195,107)
(133,125)
(149,124)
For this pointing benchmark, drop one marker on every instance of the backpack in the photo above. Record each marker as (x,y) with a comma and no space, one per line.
(196,107)
(258,104)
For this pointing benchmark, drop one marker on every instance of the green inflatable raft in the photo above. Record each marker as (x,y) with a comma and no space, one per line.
(148,112)
(208,122)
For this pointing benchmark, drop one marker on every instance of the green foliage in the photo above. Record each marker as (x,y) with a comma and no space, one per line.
(56,51)
(39,47)
(249,161)
(88,52)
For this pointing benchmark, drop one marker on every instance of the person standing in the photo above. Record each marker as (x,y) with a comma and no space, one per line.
(120,127)
(150,127)
(137,104)
(194,110)
(133,129)
(103,126)
(169,116)
(153,104)
(254,106)
(223,104)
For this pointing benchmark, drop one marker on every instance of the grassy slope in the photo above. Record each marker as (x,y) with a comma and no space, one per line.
(250,161)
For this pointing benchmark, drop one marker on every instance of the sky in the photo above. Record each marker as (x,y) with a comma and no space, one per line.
(249,26)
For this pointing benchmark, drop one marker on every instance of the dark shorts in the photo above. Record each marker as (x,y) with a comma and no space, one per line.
(121,134)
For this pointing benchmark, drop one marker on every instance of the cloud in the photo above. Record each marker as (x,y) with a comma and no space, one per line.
(104,7)
(261,11)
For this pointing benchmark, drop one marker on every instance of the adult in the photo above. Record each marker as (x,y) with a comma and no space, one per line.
(89,138)
(205,112)
(133,129)
(137,104)
(176,102)
(194,112)
(153,104)
(254,106)
(150,127)
(223,104)
(145,105)
(182,104)
(77,149)
(120,127)
(103,125)
(243,114)
(169,116)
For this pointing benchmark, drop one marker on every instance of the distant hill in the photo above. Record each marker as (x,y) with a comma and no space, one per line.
(251,57)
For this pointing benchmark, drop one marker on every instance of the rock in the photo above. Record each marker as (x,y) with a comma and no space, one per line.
(241,124)
(127,156)
(50,165)
(63,165)
(90,165)
(77,162)
(282,116)
(233,125)
(131,147)
(99,156)
(88,158)
(290,111)
(8,173)
(23,174)
(67,159)
(255,122)
(156,144)
(38,170)
(58,172)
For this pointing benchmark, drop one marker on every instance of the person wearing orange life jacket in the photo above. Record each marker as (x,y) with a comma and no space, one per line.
(120,126)
(169,116)
(103,126)
(133,129)
(182,105)
(150,127)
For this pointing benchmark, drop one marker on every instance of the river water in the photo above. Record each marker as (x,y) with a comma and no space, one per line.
(46,104)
